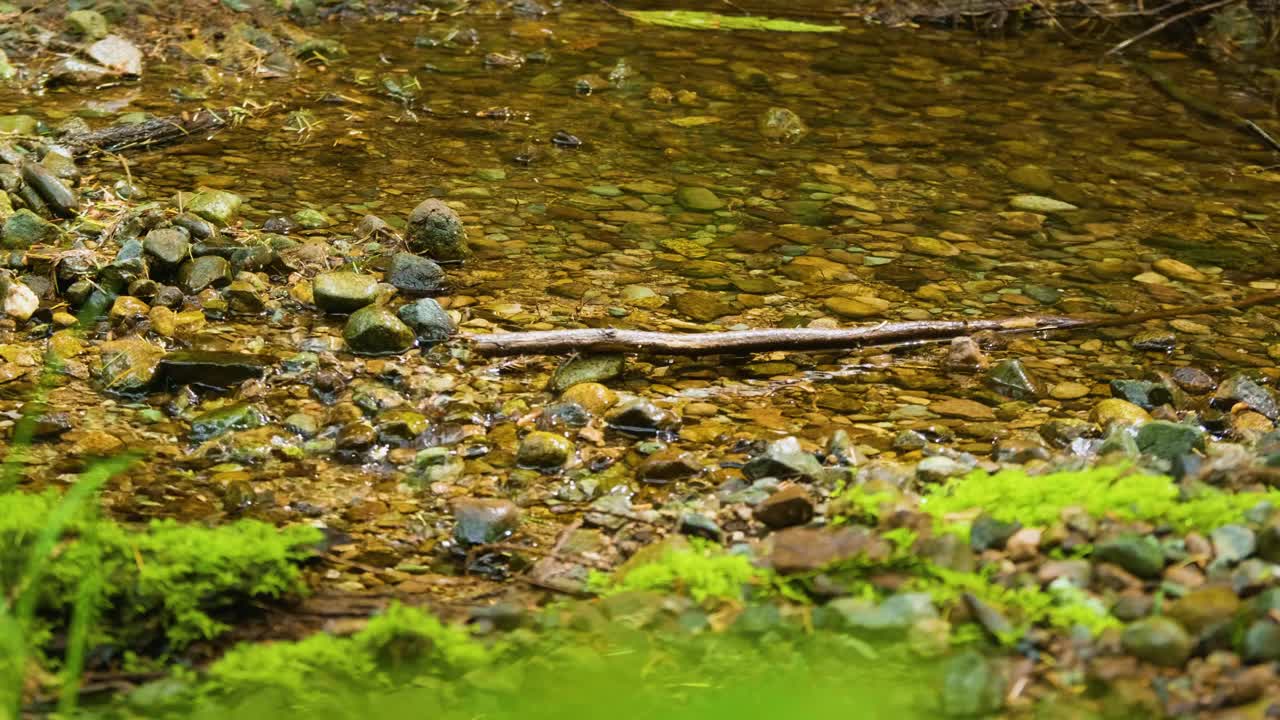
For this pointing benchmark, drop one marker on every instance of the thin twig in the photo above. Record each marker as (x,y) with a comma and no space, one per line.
(1167,22)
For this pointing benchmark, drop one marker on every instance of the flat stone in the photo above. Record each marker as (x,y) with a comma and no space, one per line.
(802,549)
(117,54)
(934,247)
(128,365)
(789,506)
(698,199)
(211,368)
(170,246)
(1040,204)
(204,272)
(667,466)
(783,459)
(218,206)
(587,369)
(968,409)
(343,292)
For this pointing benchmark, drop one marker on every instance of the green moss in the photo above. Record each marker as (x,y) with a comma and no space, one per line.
(1125,493)
(701,570)
(161,581)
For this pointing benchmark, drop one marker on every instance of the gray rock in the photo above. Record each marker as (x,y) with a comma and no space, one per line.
(415,275)
(74,71)
(1261,642)
(343,292)
(996,625)
(436,231)
(428,320)
(783,459)
(1157,640)
(1143,393)
(61,199)
(1233,543)
(988,532)
(1011,379)
(203,272)
(89,24)
(170,247)
(971,686)
(375,330)
(1169,440)
(1241,388)
(587,368)
(1139,554)
(116,54)
(484,520)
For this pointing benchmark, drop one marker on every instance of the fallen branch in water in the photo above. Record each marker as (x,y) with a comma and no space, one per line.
(1205,107)
(609,340)
(146,134)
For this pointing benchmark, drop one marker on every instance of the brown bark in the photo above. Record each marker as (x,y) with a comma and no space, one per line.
(609,340)
(151,133)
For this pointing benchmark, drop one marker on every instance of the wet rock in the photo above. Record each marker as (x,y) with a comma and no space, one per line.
(703,306)
(1114,411)
(1168,440)
(1157,640)
(804,549)
(484,520)
(243,298)
(1011,379)
(780,124)
(640,416)
(587,369)
(1040,204)
(116,54)
(964,354)
(375,330)
(1138,554)
(1194,380)
(240,416)
(667,466)
(400,425)
(996,625)
(938,468)
(988,532)
(60,199)
(372,227)
(931,246)
(544,451)
(211,368)
(169,247)
(18,300)
(1241,388)
(218,206)
(1204,608)
(128,365)
(696,525)
(1031,177)
(859,307)
(783,459)
(343,292)
(1233,543)
(429,322)
(415,275)
(303,424)
(972,686)
(204,272)
(1062,432)
(592,396)
(24,228)
(436,231)
(1154,341)
(126,307)
(1143,393)
(1261,642)
(789,506)
(698,199)
(74,71)
(196,226)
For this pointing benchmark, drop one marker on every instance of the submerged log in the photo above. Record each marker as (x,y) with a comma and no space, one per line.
(147,134)
(610,340)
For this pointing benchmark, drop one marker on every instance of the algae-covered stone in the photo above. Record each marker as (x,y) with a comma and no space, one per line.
(435,230)
(544,450)
(698,199)
(240,416)
(203,272)
(311,219)
(1139,554)
(24,228)
(88,24)
(168,246)
(781,125)
(783,459)
(430,322)
(1011,379)
(971,686)
(1169,440)
(1158,640)
(18,124)
(415,275)
(587,369)
(597,398)
(375,330)
(343,292)
(1261,642)
(219,206)
(1116,411)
